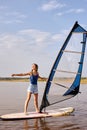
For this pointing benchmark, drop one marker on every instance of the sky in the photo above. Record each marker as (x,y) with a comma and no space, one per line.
(33,31)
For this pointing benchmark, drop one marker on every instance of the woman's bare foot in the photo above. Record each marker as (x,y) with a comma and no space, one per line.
(25,113)
(37,111)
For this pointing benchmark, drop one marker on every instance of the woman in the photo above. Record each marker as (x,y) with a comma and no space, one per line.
(33,87)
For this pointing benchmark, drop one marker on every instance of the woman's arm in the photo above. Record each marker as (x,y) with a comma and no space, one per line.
(21,74)
(43,78)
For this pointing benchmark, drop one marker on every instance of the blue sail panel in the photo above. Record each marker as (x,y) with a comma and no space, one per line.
(79,29)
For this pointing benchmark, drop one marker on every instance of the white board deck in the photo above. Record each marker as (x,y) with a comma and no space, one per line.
(33,115)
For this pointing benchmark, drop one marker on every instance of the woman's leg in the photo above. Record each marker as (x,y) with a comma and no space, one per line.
(26,102)
(36,102)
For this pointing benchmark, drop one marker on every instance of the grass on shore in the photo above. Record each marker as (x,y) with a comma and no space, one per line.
(83,80)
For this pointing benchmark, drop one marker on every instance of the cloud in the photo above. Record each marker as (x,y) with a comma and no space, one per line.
(79,10)
(25,47)
(10,41)
(15,14)
(11,17)
(76,11)
(15,21)
(29,40)
(58,37)
(38,37)
(52,5)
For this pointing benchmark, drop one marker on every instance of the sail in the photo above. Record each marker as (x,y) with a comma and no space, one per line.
(67,66)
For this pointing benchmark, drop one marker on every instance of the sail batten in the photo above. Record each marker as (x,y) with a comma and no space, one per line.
(64,71)
(63,86)
(59,84)
(73,88)
(73,52)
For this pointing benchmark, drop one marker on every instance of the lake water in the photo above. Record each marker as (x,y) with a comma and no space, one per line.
(12,98)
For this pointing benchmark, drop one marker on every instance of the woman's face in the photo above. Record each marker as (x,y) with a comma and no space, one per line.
(33,67)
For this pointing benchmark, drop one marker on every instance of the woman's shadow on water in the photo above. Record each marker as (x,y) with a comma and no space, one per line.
(36,124)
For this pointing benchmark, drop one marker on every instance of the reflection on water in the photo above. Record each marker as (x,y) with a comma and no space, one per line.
(37,124)
(27,125)
(12,98)
(44,124)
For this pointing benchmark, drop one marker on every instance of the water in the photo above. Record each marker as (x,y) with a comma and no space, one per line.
(12,98)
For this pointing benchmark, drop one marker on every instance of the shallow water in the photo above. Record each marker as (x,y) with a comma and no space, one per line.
(12,98)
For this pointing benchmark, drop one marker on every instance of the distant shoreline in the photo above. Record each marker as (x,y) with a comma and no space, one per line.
(14,79)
